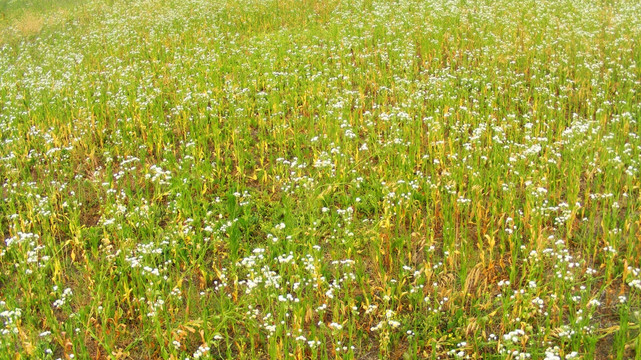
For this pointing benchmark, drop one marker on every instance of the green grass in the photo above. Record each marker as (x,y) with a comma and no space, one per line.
(320,179)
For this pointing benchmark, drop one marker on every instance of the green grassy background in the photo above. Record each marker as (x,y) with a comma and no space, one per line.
(320,179)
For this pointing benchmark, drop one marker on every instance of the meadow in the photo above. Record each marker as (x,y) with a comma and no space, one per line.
(307,179)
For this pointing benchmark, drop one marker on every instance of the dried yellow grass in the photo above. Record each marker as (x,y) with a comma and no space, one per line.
(29,24)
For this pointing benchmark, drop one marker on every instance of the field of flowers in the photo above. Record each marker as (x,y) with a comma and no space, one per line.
(307,179)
